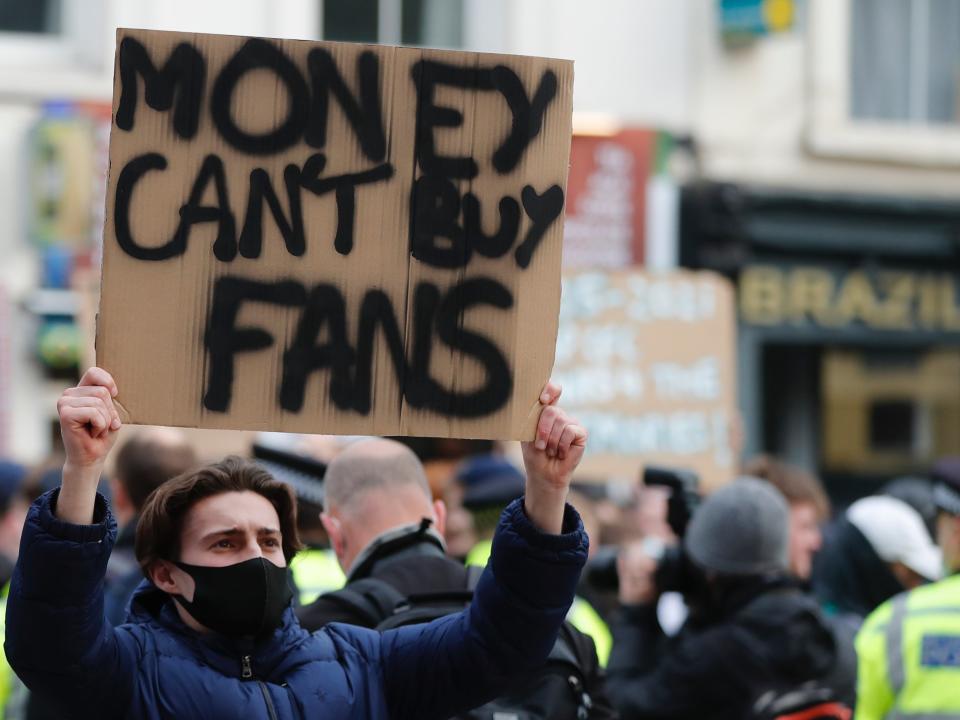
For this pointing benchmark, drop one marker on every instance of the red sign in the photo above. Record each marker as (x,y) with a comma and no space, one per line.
(606,199)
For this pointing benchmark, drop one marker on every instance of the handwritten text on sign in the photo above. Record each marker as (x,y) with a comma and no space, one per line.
(647,363)
(333,238)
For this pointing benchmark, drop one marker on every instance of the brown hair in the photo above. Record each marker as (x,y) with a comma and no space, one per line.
(161,522)
(796,485)
(144,464)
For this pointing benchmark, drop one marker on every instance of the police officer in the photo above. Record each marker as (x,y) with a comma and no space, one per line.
(909,648)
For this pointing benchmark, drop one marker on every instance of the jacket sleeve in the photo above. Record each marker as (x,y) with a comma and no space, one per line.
(647,678)
(464,660)
(57,640)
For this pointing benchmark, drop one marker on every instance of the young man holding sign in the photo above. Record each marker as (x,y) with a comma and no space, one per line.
(214,635)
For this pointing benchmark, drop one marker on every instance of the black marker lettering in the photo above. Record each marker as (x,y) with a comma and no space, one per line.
(543,210)
(257,53)
(434,213)
(527,114)
(225,246)
(427,75)
(498,244)
(325,307)
(345,189)
(261,189)
(495,392)
(419,389)
(363,114)
(131,173)
(223,339)
(376,310)
(178,84)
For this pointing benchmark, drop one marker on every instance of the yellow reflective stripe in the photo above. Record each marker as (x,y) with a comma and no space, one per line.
(874,696)
(930,690)
(895,666)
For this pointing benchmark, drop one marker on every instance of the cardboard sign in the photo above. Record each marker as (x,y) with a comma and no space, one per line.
(336,238)
(647,364)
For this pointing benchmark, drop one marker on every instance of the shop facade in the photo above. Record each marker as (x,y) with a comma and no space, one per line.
(849,325)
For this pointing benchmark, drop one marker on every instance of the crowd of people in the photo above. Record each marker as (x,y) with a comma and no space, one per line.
(371,577)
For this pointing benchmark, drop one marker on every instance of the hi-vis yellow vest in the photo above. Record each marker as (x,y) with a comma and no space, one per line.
(316,571)
(908,656)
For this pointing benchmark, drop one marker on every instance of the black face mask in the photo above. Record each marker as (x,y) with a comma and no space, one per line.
(244,599)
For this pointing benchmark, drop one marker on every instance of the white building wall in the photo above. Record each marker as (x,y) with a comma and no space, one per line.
(757,115)
(632,58)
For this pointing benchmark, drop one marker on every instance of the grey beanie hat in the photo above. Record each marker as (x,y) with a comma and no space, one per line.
(741,529)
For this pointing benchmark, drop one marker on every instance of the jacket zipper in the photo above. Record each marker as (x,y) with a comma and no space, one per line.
(266,698)
(246,672)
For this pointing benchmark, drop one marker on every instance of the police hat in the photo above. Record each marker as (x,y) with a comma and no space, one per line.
(946,490)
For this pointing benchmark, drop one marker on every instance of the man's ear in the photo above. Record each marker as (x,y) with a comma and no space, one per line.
(440,517)
(119,498)
(171,579)
(335,532)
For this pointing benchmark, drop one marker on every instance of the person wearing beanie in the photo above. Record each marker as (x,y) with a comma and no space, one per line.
(908,649)
(753,638)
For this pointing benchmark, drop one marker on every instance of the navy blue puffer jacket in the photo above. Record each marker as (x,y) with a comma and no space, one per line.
(154,667)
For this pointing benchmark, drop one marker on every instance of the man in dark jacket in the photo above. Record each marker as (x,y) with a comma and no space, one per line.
(214,634)
(752,635)
(383,524)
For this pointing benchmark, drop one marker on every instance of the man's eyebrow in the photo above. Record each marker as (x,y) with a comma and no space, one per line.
(223,531)
(234,531)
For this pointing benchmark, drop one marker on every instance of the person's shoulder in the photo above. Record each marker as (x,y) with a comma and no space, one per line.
(942,594)
(326,610)
(876,622)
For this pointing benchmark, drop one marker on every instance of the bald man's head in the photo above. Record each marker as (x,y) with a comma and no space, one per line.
(372,465)
(373,487)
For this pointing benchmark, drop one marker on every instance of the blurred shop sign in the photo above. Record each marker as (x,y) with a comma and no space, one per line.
(742,21)
(878,299)
(606,198)
(647,363)
(67,160)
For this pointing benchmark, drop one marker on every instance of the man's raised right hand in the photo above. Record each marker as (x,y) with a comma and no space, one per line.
(88,419)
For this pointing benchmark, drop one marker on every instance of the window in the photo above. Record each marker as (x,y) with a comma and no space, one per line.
(905,61)
(434,23)
(885,80)
(35,16)
(886,412)
(892,426)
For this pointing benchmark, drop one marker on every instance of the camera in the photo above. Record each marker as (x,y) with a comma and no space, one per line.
(674,573)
